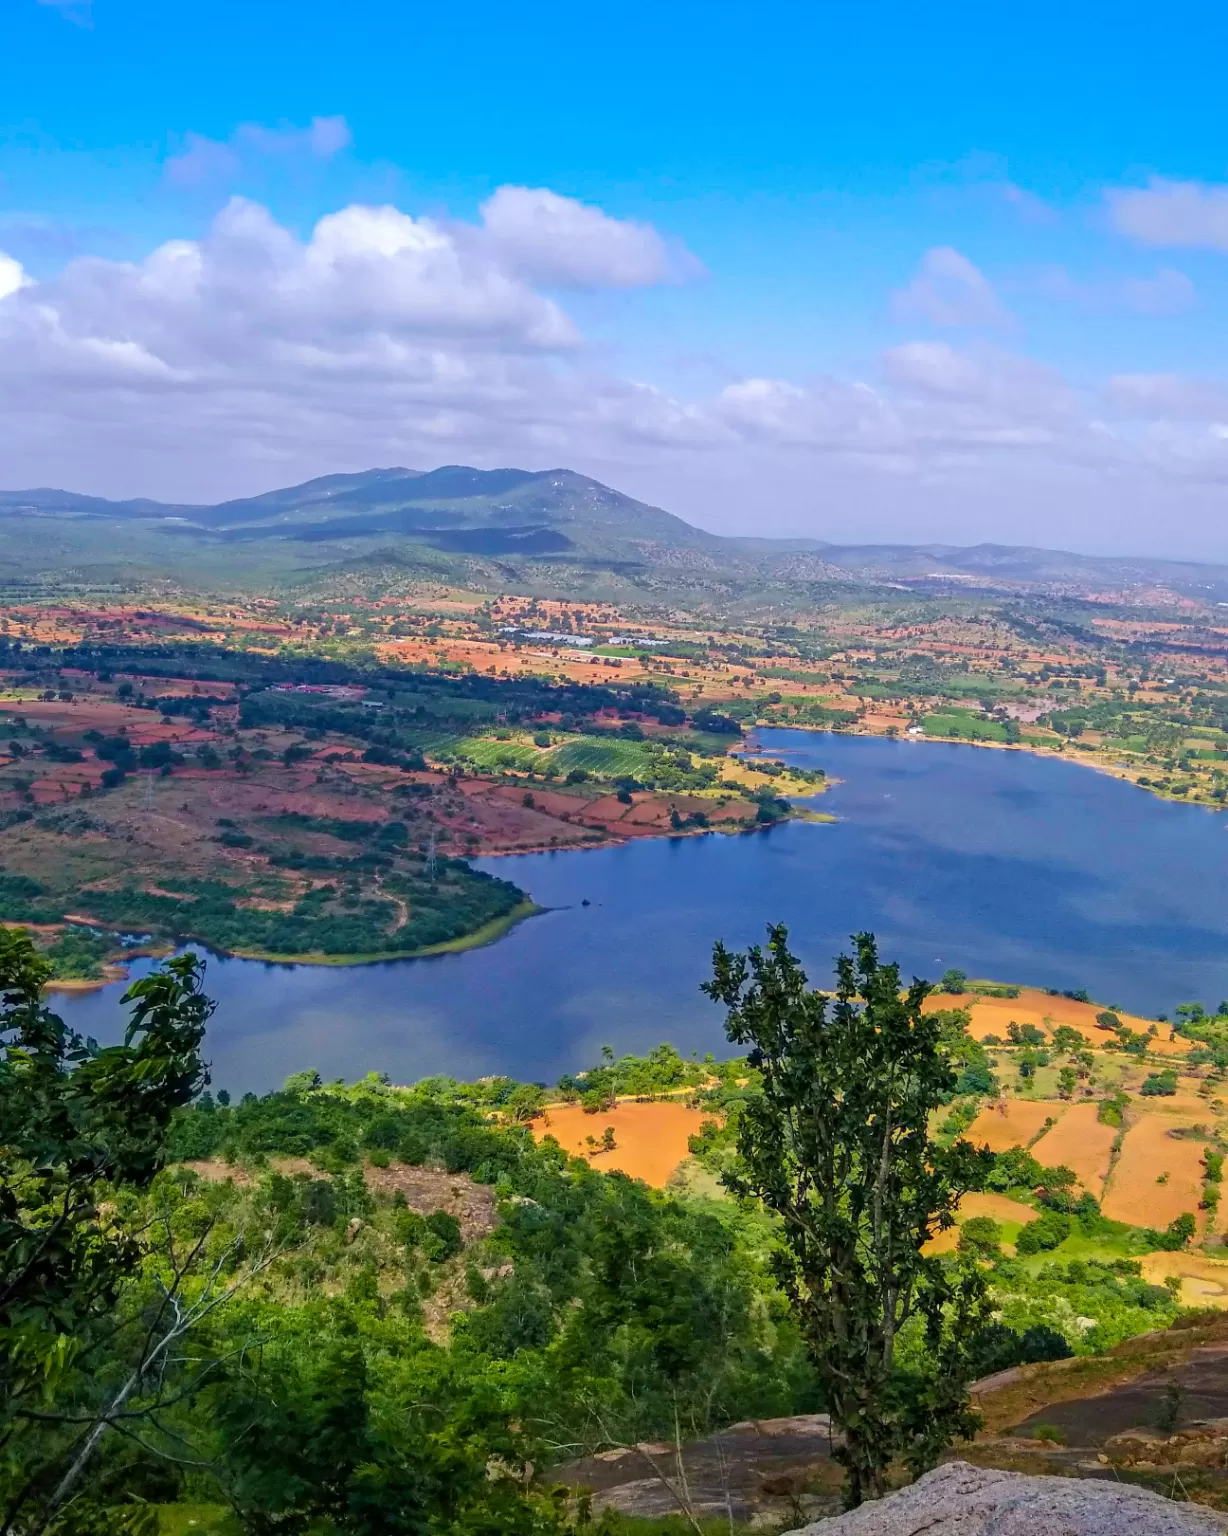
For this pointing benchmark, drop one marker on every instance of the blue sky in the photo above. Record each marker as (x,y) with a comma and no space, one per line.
(866,272)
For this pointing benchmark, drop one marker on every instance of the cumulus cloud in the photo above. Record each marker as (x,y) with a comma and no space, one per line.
(949,290)
(560,242)
(205,160)
(255,356)
(1190,214)
(12,275)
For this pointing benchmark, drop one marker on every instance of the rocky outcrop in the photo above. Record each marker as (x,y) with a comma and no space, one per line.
(961,1500)
(1204,1444)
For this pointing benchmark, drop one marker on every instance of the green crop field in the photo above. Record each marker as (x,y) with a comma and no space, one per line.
(962,722)
(612,758)
(489,752)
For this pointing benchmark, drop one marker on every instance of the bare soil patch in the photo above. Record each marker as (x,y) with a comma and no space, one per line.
(993,1015)
(997,1207)
(1080,1142)
(650,1139)
(1012,1122)
(1149,1154)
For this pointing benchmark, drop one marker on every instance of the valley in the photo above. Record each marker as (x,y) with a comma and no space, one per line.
(457,785)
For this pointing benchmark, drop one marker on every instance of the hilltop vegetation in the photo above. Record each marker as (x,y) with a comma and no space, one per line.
(388,1287)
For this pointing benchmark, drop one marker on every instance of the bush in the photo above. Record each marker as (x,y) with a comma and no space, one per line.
(982,1236)
(1162,1084)
(1045,1233)
(1174,1237)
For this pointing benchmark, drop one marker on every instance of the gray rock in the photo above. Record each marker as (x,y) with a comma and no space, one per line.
(960,1500)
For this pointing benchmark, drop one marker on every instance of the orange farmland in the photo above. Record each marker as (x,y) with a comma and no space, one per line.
(1080,1142)
(993,1016)
(1158,1176)
(650,1139)
(1011,1123)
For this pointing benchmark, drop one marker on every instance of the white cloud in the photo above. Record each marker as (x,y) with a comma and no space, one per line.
(560,242)
(12,275)
(1167,396)
(1189,214)
(206,160)
(254,356)
(949,290)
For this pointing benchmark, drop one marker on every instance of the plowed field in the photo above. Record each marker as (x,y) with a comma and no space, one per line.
(650,1139)
(1080,1142)
(1148,1153)
(999,1207)
(1012,1123)
(992,1015)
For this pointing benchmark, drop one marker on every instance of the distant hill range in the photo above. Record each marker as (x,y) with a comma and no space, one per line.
(558,529)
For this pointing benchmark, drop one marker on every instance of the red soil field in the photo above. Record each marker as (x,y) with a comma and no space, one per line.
(999,1207)
(1011,1123)
(992,1015)
(1148,1153)
(1080,1142)
(651,1139)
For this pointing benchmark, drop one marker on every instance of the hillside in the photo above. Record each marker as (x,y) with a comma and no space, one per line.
(544,531)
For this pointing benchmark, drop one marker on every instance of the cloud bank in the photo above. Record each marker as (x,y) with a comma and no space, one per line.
(254,356)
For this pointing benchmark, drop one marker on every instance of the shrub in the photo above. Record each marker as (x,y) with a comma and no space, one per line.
(1160,1084)
(982,1236)
(1043,1234)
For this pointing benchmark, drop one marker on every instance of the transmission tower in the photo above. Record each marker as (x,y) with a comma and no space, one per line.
(147,795)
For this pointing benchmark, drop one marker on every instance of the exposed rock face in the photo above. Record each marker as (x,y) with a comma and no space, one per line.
(1199,1445)
(960,1500)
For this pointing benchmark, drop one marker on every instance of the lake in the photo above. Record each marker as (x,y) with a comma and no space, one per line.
(1006,865)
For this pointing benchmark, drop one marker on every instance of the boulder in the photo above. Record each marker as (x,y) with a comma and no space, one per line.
(961,1500)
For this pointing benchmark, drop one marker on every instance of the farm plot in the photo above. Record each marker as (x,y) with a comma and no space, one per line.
(1080,1142)
(1000,1208)
(1158,1175)
(651,1139)
(630,759)
(1012,1123)
(490,753)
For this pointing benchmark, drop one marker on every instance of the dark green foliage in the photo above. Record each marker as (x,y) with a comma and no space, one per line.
(663,1070)
(1159,1084)
(76,954)
(999,1347)
(1175,1236)
(1014,1169)
(456,902)
(76,1123)
(837,1147)
(980,1235)
(1047,1231)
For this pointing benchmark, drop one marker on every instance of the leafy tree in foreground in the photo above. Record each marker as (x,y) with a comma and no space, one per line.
(75,1121)
(838,1146)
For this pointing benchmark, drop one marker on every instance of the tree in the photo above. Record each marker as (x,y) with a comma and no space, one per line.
(75,1122)
(837,1145)
(954,980)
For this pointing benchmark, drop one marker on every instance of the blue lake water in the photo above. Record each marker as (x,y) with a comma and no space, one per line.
(1006,865)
